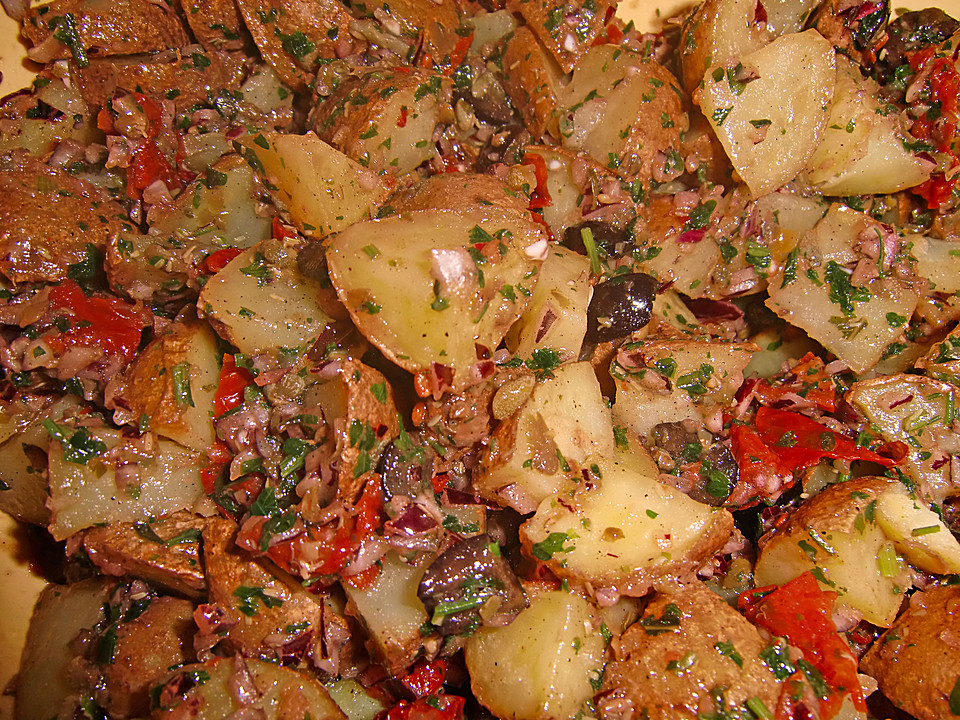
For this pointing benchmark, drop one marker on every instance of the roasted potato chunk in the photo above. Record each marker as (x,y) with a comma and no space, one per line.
(687,643)
(916,662)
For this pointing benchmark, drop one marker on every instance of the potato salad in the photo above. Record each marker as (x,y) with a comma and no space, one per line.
(485,359)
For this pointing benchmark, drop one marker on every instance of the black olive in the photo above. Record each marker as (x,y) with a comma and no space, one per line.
(607,237)
(405,473)
(719,473)
(620,306)
(460,582)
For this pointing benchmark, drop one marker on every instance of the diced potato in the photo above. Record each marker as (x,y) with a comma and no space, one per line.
(557,314)
(393,614)
(384,119)
(539,450)
(670,670)
(261,301)
(169,387)
(532,79)
(788,16)
(567,29)
(455,297)
(693,377)
(768,109)
(262,600)
(835,534)
(627,112)
(284,694)
(146,647)
(541,664)
(915,410)
(813,291)
(862,151)
(323,190)
(918,533)
(937,260)
(169,555)
(717,33)
(916,661)
(624,529)
(45,684)
(565,192)
(357,397)
(23,456)
(218,209)
(86,490)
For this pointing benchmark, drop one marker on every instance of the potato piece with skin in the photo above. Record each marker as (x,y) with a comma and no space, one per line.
(393,614)
(717,32)
(384,119)
(323,190)
(146,647)
(170,386)
(261,301)
(543,663)
(216,24)
(687,379)
(466,277)
(532,79)
(688,642)
(622,530)
(23,455)
(557,315)
(628,112)
(814,290)
(109,27)
(565,189)
(918,533)
(767,107)
(836,531)
(48,218)
(437,22)
(159,477)
(359,404)
(914,410)
(295,35)
(460,192)
(863,151)
(164,551)
(917,661)
(262,601)
(45,684)
(566,27)
(539,450)
(277,692)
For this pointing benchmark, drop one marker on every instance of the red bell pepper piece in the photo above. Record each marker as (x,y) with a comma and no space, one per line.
(110,323)
(540,197)
(799,441)
(218,260)
(802,612)
(233,381)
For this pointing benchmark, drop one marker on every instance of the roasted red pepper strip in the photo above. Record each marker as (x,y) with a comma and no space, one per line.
(459,53)
(233,381)
(799,441)
(218,260)
(425,677)
(802,612)
(147,166)
(755,460)
(110,323)
(540,197)
(439,707)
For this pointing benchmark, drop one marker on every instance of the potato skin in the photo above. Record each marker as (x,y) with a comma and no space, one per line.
(47,219)
(114,27)
(917,661)
(146,647)
(529,77)
(117,549)
(638,682)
